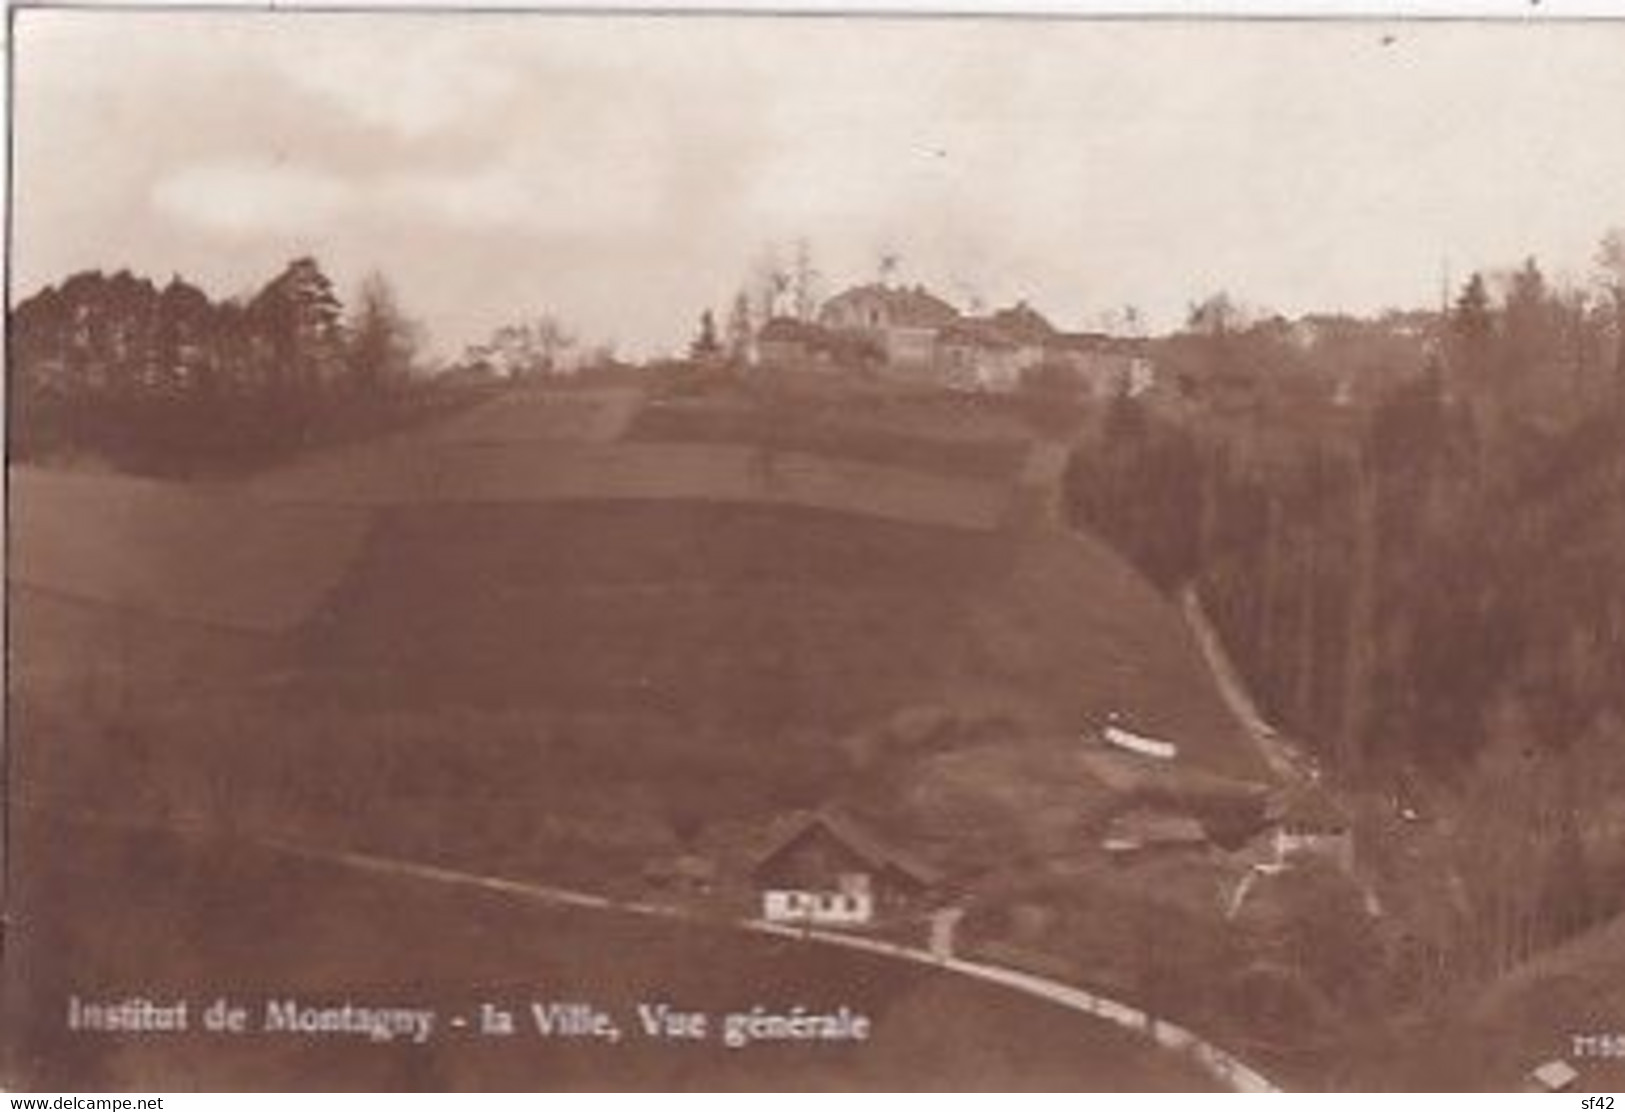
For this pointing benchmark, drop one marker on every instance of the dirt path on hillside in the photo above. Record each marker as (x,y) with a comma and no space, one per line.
(1282,759)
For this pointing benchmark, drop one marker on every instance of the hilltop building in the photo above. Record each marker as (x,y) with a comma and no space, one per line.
(912,334)
(788,342)
(903,322)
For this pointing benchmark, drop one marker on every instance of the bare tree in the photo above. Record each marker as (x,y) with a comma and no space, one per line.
(1611,264)
(539,346)
(804,282)
(741,334)
(766,285)
(1217,316)
(705,345)
(382,342)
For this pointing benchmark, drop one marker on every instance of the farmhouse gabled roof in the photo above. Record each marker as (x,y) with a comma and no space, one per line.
(858,838)
(907,306)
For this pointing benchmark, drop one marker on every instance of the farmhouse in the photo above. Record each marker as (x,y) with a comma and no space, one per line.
(825,869)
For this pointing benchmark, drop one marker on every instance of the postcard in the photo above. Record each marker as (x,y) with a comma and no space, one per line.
(849,552)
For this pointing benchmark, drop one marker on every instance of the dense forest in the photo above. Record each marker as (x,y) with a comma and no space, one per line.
(164,380)
(1410,532)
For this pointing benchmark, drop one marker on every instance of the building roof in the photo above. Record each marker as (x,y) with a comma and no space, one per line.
(906,306)
(856,837)
(1024,325)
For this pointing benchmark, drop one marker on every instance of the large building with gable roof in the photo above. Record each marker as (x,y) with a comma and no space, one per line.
(908,332)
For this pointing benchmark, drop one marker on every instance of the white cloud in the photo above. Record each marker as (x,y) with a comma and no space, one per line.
(572,185)
(252,197)
(393,78)
(508,199)
(569,178)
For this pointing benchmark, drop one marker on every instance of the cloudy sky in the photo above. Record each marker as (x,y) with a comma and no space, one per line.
(625,173)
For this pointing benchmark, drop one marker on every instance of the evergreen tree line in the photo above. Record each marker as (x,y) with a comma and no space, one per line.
(164,380)
(1425,588)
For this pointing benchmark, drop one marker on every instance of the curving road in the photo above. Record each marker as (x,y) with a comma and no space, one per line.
(1223,1066)
(1219,1064)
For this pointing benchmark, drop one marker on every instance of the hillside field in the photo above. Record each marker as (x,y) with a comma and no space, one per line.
(515,645)
(158,916)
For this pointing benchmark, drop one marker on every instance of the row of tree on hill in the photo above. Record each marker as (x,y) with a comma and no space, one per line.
(1421,578)
(166,379)
(773,286)
(779,282)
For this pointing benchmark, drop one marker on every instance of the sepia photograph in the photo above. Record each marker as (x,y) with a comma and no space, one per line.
(757,552)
